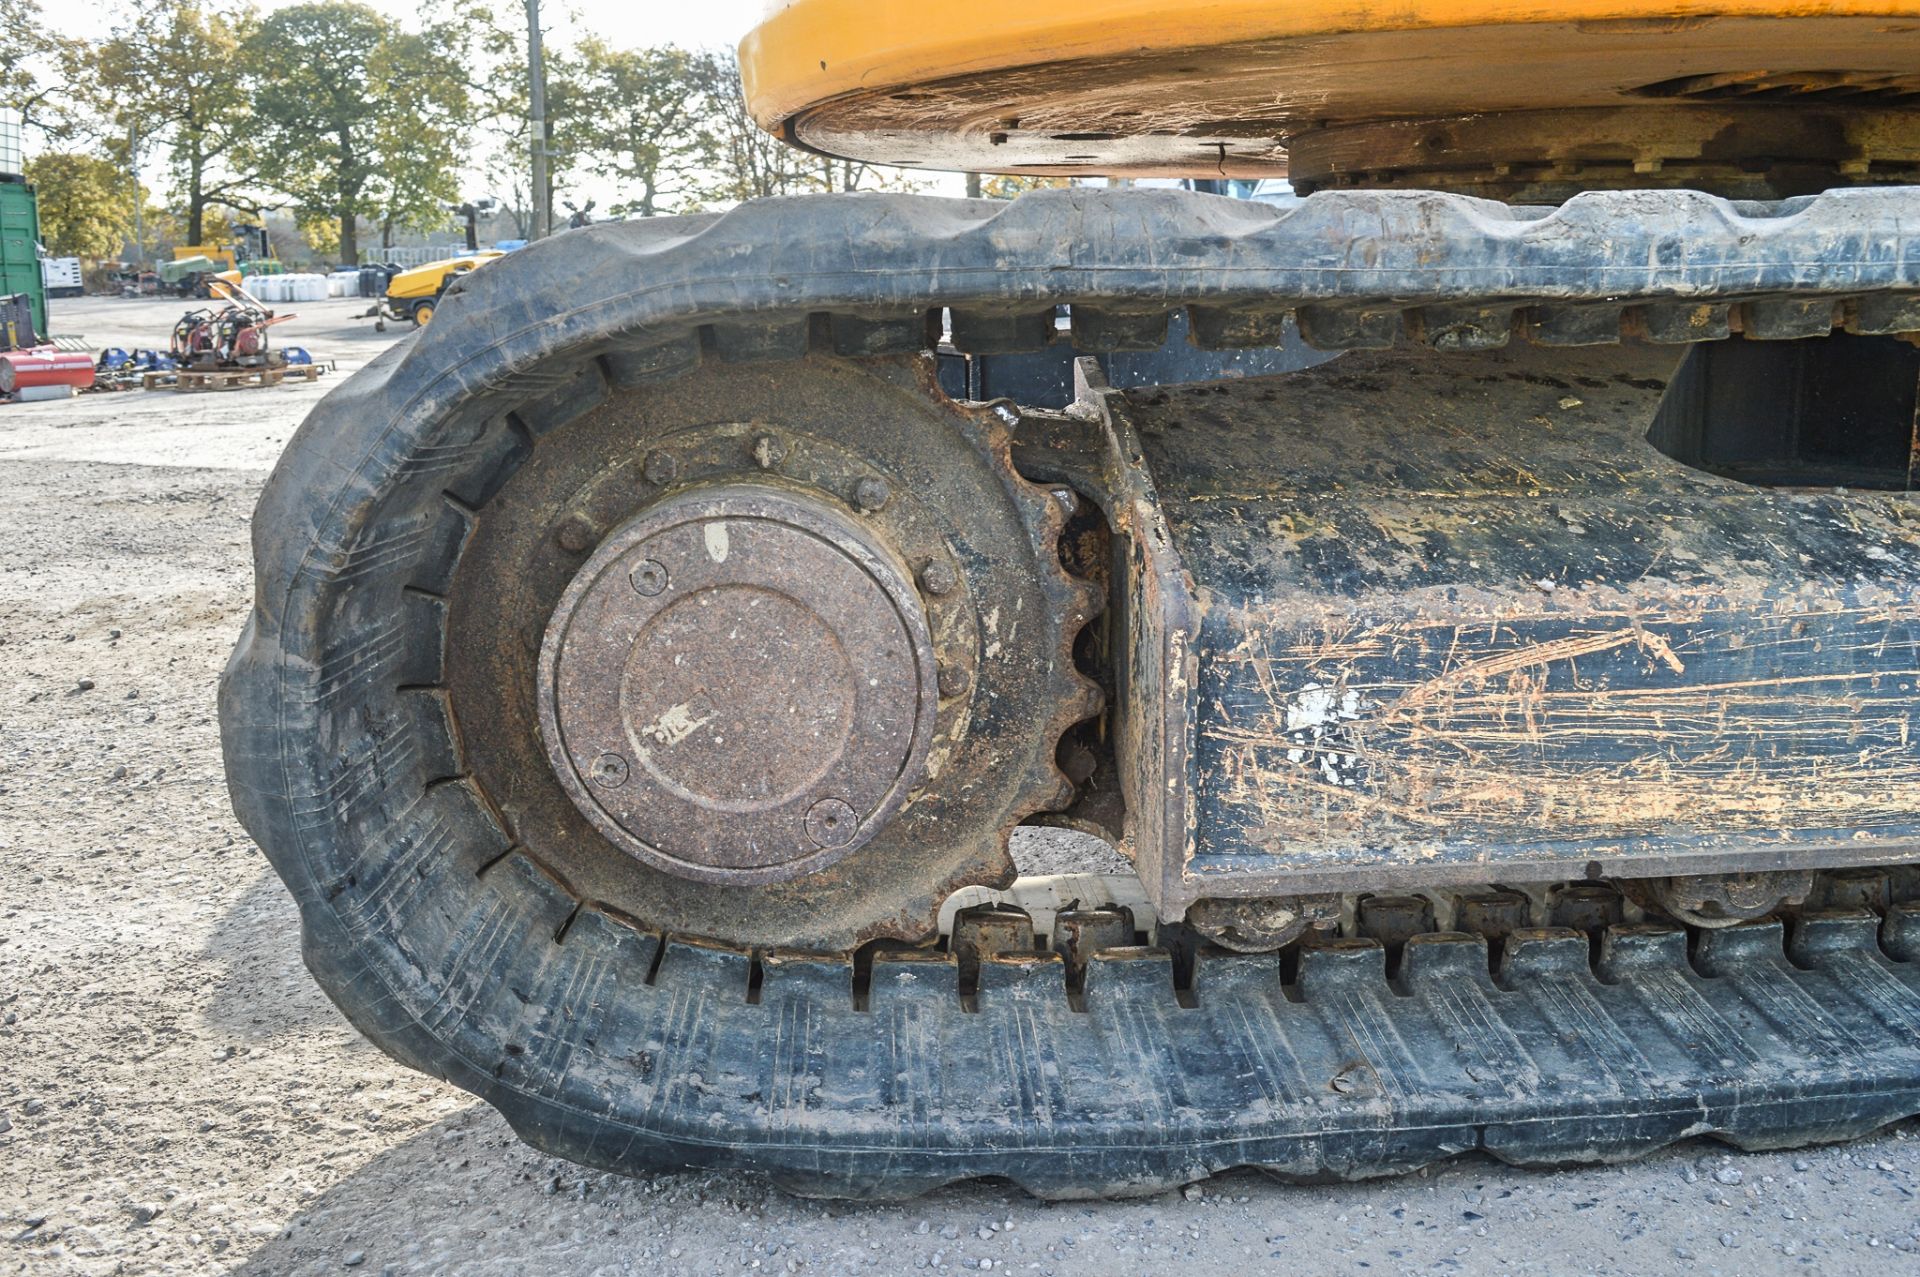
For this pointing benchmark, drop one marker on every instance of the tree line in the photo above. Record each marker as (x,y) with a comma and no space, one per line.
(360,127)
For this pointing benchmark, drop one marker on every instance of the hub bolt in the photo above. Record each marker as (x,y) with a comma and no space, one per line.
(870,494)
(831,823)
(768,451)
(574,534)
(660,468)
(649,578)
(952,681)
(938,578)
(609,771)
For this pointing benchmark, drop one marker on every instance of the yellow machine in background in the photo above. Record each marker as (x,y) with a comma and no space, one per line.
(215,270)
(413,294)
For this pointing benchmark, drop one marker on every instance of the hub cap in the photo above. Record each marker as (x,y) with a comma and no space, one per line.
(738,686)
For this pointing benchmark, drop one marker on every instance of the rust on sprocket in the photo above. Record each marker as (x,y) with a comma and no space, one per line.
(897,668)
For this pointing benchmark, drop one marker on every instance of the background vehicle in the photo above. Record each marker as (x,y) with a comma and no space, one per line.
(1508,724)
(414,293)
(215,270)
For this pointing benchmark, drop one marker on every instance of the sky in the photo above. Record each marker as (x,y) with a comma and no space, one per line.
(688,23)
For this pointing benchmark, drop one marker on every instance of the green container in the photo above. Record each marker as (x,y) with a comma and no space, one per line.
(20,248)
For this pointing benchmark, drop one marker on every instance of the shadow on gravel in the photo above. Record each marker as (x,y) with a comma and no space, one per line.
(466,1196)
(265,988)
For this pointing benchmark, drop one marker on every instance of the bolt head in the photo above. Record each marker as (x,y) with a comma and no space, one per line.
(938,577)
(575,534)
(660,467)
(831,823)
(768,451)
(953,681)
(649,578)
(871,494)
(609,771)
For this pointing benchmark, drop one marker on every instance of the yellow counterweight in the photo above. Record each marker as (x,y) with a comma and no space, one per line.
(1254,87)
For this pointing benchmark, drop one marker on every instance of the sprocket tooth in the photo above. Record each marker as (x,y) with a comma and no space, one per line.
(1075,697)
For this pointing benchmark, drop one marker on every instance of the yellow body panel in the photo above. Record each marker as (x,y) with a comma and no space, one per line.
(426,281)
(1221,88)
(808,51)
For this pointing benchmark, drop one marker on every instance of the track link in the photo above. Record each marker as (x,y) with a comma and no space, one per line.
(625,1049)
(1571,1047)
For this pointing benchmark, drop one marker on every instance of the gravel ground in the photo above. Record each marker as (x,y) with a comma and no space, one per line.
(176,1095)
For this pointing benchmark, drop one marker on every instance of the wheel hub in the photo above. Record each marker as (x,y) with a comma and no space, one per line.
(739,686)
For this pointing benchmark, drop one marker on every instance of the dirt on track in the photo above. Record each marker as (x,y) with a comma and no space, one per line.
(176,1096)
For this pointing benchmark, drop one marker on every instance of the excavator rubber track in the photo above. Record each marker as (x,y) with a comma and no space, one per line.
(884,1074)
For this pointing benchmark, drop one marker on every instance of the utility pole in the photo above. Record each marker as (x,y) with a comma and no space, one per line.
(139,229)
(537,122)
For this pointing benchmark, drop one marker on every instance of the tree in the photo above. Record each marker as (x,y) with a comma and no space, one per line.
(858,175)
(744,161)
(164,227)
(357,117)
(415,184)
(1010,186)
(31,52)
(176,72)
(86,203)
(634,116)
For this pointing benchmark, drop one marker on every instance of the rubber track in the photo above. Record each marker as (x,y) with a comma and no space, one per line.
(467,960)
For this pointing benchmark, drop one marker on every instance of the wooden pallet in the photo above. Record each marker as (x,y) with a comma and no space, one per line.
(227,378)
